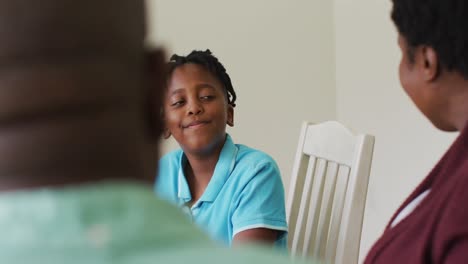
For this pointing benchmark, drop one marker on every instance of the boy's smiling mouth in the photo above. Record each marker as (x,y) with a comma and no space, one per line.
(195,124)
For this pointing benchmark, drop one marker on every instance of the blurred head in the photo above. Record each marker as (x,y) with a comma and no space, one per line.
(80,94)
(199,102)
(434,44)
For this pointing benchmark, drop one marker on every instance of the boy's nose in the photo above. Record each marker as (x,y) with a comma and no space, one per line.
(195,108)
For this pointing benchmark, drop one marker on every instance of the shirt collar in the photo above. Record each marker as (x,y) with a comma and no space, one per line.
(183,191)
(224,167)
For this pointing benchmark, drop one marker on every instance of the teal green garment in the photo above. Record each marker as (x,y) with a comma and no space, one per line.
(107,223)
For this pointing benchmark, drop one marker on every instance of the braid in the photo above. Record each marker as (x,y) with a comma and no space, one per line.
(209,62)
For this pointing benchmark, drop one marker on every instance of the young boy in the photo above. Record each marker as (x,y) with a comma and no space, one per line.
(79,126)
(432,224)
(232,191)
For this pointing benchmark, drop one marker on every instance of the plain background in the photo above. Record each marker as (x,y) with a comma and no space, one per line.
(312,60)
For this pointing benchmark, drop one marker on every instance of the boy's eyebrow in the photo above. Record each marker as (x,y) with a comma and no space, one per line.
(205,85)
(177,91)
(198,86)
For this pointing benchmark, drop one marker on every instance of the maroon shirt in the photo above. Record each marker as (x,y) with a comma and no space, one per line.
(437,230)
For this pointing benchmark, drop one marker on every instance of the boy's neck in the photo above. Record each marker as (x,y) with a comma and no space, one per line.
(200,169)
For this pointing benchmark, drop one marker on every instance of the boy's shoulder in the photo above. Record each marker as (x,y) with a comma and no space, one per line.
(253,156)
(169,164)
(173,155)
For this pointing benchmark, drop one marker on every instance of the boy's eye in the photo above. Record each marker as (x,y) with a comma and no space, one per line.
(178,103)
(207,97)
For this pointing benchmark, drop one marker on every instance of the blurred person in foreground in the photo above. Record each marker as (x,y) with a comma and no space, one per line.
(80,100)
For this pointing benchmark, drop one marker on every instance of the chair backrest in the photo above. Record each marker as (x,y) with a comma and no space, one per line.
(327,192)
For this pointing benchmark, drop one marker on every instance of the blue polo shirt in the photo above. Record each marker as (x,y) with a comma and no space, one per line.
(245,192)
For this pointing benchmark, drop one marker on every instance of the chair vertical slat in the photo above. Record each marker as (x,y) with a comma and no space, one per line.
(298,238)
(341,185)
(313,206)
(325,210)
(296,195)
(353,211)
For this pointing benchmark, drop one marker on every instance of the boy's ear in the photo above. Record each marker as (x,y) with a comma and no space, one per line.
(155,59)
(166,133)
(230,115)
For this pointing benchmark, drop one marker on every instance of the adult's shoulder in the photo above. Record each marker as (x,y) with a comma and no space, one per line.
(452,232)
(249,255)
(456,198)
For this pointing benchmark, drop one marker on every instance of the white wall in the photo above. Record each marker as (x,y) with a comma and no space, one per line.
(369,98)
(280,61)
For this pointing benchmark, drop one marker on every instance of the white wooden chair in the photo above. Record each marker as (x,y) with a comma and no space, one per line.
(327,192)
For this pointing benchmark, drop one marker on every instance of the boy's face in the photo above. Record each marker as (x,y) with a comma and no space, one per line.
(196,110)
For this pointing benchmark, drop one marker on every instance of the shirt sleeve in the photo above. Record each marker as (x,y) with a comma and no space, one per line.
(261,202)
